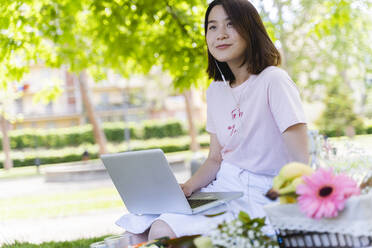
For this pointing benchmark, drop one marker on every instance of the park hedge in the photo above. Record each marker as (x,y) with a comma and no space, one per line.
(341,132)
(369,130)
(162,130)
(65,137)
(75,136)
(71,154)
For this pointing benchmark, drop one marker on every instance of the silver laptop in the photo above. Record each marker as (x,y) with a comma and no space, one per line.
(147,185)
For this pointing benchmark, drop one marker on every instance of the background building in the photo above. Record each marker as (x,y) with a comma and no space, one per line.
(115,99)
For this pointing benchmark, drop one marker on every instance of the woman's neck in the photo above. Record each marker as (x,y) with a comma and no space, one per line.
(241,73)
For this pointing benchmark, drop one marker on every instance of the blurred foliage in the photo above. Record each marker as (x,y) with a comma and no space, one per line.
(127,36)
(48,94)
(325,44)
(319,40)
(339,114)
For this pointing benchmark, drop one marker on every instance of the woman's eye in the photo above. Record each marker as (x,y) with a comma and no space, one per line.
(229,24)
(211,27)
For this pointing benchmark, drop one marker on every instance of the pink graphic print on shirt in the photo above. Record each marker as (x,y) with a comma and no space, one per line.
(232,129)
(235,114)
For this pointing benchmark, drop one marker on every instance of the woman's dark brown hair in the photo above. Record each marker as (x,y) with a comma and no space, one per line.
(260,52)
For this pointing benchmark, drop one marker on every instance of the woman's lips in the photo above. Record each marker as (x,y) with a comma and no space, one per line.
(223,46)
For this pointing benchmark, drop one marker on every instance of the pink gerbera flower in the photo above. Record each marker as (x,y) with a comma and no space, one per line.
(323,193)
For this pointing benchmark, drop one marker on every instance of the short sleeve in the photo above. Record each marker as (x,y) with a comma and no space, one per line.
(210,127)
(284,100)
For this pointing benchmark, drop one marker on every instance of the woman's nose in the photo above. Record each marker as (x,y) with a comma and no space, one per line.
(222,34)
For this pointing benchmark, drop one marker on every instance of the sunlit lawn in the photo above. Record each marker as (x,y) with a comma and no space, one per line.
(60,204)
(81,243)
(18,172)
(361,141)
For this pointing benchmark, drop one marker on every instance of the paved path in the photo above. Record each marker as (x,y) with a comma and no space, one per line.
(65,228)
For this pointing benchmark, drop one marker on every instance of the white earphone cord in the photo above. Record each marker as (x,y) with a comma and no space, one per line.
(223,78)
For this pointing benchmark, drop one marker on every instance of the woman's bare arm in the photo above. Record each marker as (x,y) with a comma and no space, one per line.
(296,140)
(208,171)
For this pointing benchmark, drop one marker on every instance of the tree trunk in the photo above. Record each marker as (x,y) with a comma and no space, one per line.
(194,146)
(8,163)
(99,135)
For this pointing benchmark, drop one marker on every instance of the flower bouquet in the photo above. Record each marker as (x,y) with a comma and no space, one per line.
(319,209)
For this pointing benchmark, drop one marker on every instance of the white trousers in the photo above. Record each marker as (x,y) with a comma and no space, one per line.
(229,178)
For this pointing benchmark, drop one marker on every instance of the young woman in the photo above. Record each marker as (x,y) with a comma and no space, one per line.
(255,121)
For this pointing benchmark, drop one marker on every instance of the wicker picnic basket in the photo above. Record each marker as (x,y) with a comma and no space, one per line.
(293,238)
(352,228)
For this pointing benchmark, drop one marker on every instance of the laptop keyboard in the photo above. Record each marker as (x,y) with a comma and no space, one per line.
(194,203)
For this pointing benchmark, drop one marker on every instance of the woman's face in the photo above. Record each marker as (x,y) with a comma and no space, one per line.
(224,42)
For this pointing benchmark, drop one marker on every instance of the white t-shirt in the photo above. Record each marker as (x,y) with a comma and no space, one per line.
(251,132)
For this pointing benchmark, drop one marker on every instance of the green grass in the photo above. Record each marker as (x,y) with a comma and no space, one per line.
(353,156)
(19,172)
(60,204)
(81,243)
(363,141)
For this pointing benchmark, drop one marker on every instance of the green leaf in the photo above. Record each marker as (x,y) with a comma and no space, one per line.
(214,215)
(244,217)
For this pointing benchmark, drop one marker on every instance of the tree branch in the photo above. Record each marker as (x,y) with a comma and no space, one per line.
(172,12)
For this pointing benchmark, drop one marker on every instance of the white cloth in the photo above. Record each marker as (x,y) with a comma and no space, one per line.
(229,178)
(251,133)
(355,219)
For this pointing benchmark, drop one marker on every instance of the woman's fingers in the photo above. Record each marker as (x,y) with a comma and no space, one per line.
(185,189)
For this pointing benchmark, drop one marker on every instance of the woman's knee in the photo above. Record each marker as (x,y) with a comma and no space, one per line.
(160,229)
(137,238)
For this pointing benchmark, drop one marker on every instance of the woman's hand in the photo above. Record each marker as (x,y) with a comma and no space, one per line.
(208,171)
(186,189)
